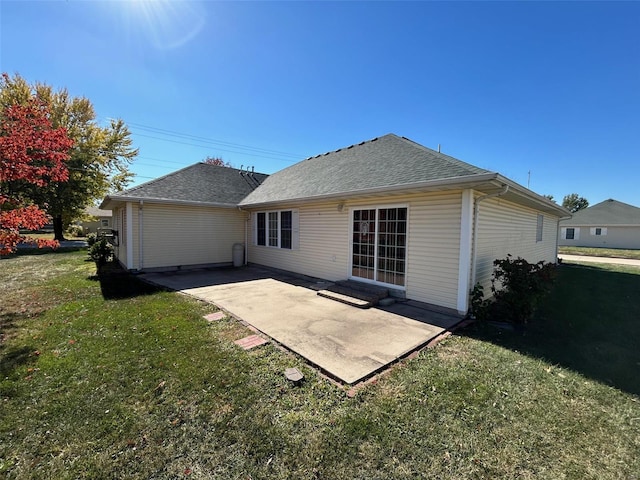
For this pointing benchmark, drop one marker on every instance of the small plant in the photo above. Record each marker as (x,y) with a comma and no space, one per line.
(76,231)
(101,252)
(91,239)
(479,304)
(517,287)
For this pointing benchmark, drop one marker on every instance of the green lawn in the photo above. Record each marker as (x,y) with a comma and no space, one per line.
(112,379)
(601,252)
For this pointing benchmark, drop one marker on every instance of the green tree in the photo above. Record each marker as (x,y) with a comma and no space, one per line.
(573,202)
(99,159)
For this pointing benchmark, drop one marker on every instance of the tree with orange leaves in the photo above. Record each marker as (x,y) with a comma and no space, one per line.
(31,152)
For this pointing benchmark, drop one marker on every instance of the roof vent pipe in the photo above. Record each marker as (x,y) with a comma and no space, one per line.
(438,148)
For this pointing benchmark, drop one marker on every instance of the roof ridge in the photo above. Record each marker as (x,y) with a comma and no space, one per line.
(442,156)
(155,180)
(344,148)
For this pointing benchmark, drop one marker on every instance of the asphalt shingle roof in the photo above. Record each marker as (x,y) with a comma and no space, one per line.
(202,182)
(609,212)
(387,161)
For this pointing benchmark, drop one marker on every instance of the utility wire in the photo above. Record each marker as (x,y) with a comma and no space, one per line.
(173,133)
(208,147)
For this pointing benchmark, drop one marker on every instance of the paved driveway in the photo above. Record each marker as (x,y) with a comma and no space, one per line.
(588,259)
(347,342)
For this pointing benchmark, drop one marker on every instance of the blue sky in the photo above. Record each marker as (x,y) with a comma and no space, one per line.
(547,87)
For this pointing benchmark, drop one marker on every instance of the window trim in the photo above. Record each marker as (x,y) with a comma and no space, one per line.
(573,233)
(272,237)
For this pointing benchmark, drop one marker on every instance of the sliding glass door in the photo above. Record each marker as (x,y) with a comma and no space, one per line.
(379,245)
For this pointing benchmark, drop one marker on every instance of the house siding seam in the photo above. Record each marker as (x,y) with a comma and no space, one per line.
(433,244)
(507,228)
(177,235)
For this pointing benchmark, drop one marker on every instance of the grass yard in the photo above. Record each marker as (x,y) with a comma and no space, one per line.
(601,252)
(113,379)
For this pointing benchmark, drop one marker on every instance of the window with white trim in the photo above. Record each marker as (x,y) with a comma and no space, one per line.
(104,222)
(598,231)
(275,229)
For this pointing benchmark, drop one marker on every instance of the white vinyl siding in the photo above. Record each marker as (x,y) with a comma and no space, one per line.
(507,228)
(188,235)
(432,249)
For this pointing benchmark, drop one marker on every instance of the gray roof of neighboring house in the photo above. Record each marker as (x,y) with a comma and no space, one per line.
(385,162)
(96,212)
(201,183)
(609,212)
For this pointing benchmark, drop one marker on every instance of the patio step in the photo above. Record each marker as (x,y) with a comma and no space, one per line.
(346,299)
(353,293)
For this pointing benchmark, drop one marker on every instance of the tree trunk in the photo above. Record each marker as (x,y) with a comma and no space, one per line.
(58,233)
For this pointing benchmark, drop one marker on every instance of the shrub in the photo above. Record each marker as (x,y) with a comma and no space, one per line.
(91,239)
(101,252)
(76,231)
(517,287)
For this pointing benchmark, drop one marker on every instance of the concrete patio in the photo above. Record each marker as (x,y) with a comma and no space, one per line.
(348,343)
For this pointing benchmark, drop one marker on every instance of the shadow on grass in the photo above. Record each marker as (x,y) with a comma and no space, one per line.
(21,252)
(590,323)
(14,358)
(117,284)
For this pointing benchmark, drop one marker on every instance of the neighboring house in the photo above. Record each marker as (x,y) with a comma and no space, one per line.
(609,224)
(386,211)
(95,219)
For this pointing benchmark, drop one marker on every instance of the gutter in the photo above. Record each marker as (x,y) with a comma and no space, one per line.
(466,181)
(164,201)
(476,211)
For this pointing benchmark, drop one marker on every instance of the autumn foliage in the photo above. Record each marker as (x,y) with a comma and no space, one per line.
(32,152)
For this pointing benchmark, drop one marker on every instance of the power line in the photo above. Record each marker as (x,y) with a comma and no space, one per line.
(173,133)
(208,147)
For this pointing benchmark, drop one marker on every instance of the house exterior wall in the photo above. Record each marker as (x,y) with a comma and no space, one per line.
(324,247)
(176,235)
(507,228)
(627,237)
(96,223)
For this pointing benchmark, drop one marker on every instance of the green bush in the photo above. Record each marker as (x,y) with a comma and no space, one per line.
(101,252)
(517,287)
(76,231)
(91,239)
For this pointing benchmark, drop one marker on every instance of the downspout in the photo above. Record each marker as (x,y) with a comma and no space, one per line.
(246,237)
(476,210)
(559,230)
(140,249)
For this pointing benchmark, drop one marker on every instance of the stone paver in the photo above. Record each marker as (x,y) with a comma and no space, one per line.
(252,341)
(212,317)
